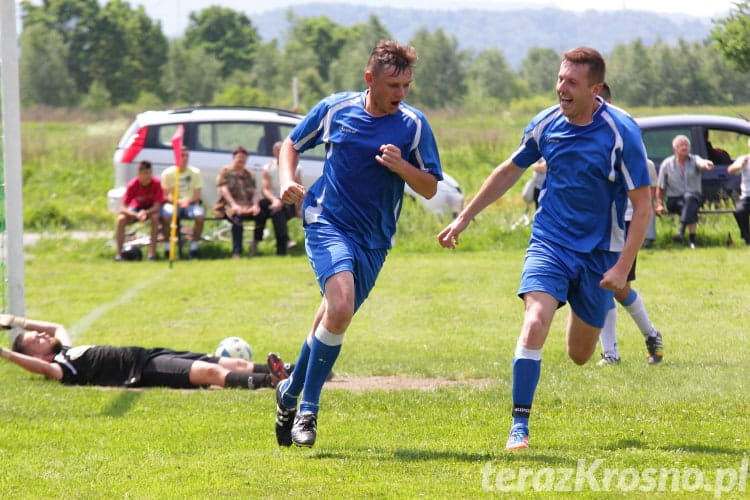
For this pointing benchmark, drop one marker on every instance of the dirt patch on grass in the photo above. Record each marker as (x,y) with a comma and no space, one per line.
(397,383)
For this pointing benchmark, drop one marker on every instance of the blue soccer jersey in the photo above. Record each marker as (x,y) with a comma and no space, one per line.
(356,193)
(590,168)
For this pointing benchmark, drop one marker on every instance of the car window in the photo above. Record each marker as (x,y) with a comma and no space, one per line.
(316,153)
(727,144)
(164,135)
(225,136)
(658,142)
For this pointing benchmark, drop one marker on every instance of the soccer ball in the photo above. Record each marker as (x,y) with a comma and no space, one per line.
(234,347)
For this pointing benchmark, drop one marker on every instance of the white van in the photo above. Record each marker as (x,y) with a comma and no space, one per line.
(212,133)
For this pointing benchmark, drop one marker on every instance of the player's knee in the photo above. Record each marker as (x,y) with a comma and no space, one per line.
(207,374)
(579,356)
(339,314)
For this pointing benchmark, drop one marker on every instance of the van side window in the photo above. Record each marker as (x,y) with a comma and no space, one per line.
(225,136)
(164,136)
(658,142)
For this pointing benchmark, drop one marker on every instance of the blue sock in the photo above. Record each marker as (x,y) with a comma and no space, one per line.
(527,365)
(630,298)
(297,377)
(325,348)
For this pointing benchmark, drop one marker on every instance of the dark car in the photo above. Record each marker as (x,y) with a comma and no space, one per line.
(718,138)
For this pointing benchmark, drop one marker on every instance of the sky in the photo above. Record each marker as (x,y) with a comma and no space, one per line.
(173,14)
(699,8)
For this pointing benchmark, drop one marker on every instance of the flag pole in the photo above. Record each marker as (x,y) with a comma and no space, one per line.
(177,148)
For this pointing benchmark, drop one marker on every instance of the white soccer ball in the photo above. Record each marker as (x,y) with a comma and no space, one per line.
(234,347)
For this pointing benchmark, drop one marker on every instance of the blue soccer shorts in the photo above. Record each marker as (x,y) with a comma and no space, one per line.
(330,252)
(569,276)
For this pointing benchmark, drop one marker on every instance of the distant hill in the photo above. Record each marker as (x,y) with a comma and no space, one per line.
(514,31)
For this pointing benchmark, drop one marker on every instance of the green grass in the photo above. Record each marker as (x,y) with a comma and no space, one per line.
(432,314)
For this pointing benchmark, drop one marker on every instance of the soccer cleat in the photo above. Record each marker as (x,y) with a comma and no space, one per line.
(518,438)
(608,360)
(655,349)
(277,367)
(284,420)
(304,429)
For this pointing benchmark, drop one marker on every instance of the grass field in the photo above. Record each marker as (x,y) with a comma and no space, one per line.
(674,430)
(678,429)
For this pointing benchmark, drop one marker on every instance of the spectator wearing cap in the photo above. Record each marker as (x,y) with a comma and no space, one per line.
(238,200)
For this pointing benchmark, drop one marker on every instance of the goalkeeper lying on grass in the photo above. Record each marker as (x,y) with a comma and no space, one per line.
(44,348)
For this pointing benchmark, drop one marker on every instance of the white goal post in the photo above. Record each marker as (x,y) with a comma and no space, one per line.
(11,147)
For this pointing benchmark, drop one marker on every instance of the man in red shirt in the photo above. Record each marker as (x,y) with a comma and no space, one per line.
(142,201)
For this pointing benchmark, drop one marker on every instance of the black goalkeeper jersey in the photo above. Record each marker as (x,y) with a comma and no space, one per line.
(102,365)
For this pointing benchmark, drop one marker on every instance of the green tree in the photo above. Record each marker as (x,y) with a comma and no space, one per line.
(632,75)
(229,36)
(491,77)
(539,69)
(440,73)
(266,74)
(733,36)
(323,36)
(129,52)
(121,48)
(74,20)
(346,72)
(238,95)
(44,77)
(192,76)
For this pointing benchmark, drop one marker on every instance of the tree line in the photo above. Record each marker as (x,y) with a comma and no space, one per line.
(77,53)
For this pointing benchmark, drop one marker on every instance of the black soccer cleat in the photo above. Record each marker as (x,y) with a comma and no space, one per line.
(655,349)
(305,429)
(284,420)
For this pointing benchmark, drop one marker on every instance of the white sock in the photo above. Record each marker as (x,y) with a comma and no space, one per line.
(608,335)
(637,311)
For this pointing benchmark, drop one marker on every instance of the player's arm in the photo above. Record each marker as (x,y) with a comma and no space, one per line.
(703,163)
(57,330)
(32,364)
(738,164)
(540,166)
(616,277)
(421,181)
(291,190)
(499,181)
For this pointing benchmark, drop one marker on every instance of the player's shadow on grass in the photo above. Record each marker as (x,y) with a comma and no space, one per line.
(692,448)
(412,455)
(409,455)
(122,404)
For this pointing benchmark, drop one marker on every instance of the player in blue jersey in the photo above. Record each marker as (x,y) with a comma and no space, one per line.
(374,143)
(578,251)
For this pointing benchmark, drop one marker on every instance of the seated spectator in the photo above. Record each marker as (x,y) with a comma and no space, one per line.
(716,155)
(742,211)
(680,180)
(271,205)
(238,201)
(188,200)
(141,202)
